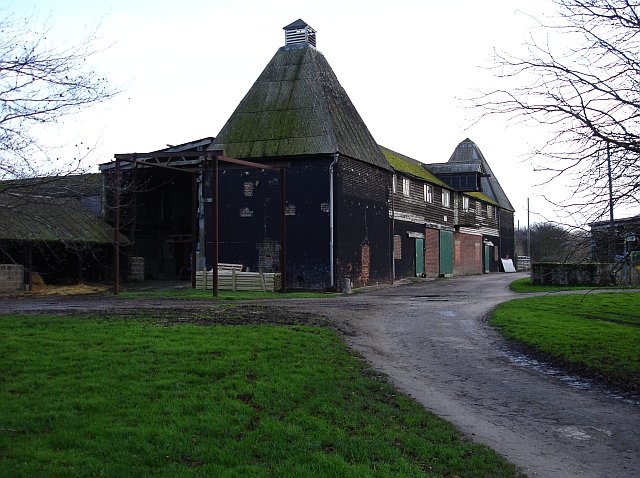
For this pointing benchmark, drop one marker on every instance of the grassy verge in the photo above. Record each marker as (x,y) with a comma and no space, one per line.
(597,334)
(524,285)
(83,396)
(222,295)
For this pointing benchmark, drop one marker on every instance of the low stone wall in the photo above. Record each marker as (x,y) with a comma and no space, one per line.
(594,274)
(11,278)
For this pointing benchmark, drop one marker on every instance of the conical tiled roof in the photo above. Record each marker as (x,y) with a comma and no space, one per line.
(297,107)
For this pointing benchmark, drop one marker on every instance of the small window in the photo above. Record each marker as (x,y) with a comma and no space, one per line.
(465,203)
(394,184)
(428,193)
(446,198)
(489,211)
(405,186)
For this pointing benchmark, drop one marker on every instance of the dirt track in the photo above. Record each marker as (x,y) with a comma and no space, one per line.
(431,339)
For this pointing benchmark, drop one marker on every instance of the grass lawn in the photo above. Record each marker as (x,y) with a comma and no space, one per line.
(524,285)
(596,333)
(222,295)
(114,397)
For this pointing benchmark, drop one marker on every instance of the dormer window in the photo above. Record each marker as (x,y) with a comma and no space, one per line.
(406,185)
(446,198)
(428,193)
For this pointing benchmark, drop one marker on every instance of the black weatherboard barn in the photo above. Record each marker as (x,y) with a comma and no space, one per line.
(337,215)
(352,209)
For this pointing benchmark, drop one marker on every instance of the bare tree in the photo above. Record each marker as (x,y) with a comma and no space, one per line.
(42,199)
(580,80)
(551,242)
(40,84)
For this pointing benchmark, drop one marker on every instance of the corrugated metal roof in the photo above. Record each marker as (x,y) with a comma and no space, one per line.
(73,185)
(408,165)
(33,218)
(298,107)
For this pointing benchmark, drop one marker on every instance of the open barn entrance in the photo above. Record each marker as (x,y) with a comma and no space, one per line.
(167,203)
(157,216)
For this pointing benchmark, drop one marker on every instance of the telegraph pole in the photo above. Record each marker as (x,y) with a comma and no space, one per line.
(528,235)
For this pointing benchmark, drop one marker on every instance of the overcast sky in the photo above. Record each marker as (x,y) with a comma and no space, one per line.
(407,66)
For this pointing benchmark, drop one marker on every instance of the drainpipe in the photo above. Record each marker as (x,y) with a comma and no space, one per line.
(331,244)
(393,231)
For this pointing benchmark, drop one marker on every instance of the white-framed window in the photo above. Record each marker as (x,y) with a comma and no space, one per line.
(405,186)
(394,184)
(428,193)
(489,211)
(446,198)
(465,203)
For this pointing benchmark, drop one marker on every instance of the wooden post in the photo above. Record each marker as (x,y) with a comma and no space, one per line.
(116,238)
(263,286)
(194,226)
(214,197)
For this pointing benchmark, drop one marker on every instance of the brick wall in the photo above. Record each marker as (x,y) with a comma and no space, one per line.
(11,277)
(467,254)
(432,252)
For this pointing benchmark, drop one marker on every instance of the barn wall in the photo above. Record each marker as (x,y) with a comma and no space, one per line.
(362,223)
(507,234)
(249,221)
(405,257)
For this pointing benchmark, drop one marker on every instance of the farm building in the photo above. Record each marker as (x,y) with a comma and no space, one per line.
(610,240)
(353,209)
(53,226)
(483,213)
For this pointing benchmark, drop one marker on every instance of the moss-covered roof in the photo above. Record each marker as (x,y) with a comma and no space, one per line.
(34,218)
(405,164)
(297,107)
(483,197)
(72,185)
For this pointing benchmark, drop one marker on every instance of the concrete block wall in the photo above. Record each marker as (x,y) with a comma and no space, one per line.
(136,265)
(11,278)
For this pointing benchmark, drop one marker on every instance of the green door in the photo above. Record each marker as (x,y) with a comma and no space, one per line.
(486,258)
(446,253)
(419,257)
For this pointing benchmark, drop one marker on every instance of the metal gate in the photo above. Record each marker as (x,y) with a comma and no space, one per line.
(446,253)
